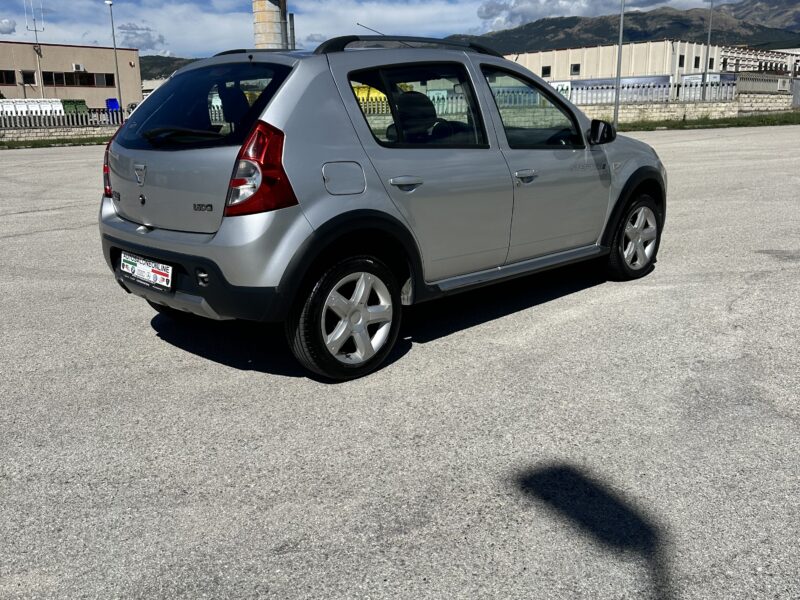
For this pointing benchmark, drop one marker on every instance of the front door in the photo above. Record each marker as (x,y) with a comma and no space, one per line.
(421,126)
(561,185)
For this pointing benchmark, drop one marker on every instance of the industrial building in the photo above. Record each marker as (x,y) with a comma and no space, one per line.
(69,72)
(676,59)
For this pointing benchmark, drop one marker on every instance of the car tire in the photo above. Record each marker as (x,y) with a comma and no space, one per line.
(348,321)
(636,240)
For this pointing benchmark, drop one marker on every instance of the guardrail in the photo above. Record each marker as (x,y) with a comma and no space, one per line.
(98,118)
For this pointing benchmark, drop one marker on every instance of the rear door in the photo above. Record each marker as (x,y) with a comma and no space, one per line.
(421,125)
(171,162)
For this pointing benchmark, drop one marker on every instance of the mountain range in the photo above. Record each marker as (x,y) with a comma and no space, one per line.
(765,24)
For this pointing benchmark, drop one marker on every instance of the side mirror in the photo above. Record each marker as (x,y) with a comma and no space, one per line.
(602,132)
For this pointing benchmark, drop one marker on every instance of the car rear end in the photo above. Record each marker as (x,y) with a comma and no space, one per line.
(195,194)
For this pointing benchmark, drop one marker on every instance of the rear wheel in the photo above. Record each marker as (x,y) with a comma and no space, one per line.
(635,244)
(349,320)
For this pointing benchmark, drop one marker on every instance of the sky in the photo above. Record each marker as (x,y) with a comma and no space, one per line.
(194,28)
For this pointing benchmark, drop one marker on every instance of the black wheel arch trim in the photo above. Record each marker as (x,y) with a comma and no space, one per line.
(637,178)
(333,230)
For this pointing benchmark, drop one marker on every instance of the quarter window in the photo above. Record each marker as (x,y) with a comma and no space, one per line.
(430,105)
(531,118)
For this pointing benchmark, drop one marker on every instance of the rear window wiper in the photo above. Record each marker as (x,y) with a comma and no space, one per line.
(165,133)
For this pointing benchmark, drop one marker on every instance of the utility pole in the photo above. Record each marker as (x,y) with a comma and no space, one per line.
(708,47)
(110,4)
(36,48)
(619,62)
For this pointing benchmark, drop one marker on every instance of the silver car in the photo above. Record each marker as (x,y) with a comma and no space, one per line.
(329,189)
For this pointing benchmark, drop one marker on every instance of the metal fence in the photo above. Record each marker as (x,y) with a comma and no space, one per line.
(94,118)
(588,95)
(655,93)
(764,83)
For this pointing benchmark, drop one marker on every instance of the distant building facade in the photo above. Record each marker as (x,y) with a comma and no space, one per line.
(69,73)
(676,59)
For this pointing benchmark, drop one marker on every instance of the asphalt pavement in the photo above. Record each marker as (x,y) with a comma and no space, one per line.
(559,436)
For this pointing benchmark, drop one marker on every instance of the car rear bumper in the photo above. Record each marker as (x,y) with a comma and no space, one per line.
(214,298)
(233,274)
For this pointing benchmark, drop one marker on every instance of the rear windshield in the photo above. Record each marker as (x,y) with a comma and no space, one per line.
(210,106)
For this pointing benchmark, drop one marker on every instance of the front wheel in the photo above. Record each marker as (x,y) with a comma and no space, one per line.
(635,244)
(349,320)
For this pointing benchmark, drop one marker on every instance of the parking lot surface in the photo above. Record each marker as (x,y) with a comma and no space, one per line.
(559,436)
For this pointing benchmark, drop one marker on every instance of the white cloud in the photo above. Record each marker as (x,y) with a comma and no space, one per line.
(140,36)
(410,17)
(7,26)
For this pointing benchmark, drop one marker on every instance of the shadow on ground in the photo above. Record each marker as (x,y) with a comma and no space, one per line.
(602,515)
(262,347)
(440,318)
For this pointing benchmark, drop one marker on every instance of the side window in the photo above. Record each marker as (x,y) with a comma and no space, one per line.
(530,118)
(427,105)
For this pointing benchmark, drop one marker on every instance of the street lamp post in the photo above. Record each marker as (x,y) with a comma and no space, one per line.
(619,62)
(708,47)
(110,4)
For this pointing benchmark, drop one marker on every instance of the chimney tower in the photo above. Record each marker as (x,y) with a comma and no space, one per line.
(267,24)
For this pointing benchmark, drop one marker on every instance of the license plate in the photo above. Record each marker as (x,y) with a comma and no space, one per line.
(147,272)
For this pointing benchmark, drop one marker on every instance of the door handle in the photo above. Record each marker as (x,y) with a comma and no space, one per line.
(406,183)
(526,175)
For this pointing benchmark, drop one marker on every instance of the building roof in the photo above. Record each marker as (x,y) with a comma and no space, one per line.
(68,45)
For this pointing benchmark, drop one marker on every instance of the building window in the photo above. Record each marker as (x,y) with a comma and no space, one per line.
(710,64)
(696,62)
(69,79)
(736,65)
(28,77)
(575,69)
(724,64)
(110,80)
(8,78)
(681,61)
(59,78)
(546,71)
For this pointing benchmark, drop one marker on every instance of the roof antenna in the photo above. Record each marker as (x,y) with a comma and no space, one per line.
(380,33)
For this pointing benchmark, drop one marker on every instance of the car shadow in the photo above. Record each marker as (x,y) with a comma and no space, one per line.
(439,318)
(601,514)
(262,347)
(242,345)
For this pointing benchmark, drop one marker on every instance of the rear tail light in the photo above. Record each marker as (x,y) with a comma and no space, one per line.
(259,182)
(107,191)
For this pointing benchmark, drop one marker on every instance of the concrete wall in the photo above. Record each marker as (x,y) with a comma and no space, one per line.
(53,133)
(17,56)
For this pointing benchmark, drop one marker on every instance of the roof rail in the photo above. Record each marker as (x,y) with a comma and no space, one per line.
(338,44)
(244,50)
